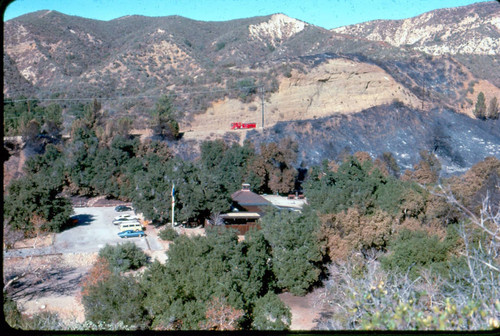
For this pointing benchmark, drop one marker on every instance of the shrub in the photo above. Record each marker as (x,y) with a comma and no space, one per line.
(392,313)
(207,275)
(168,233)
(45,321)
(117,299)
(414,250)
(100,271)
(221,316)
(270,313)
(389,301)
(124,257)
(11,312)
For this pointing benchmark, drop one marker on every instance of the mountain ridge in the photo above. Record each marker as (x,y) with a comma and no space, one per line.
(425,32)
(221,72)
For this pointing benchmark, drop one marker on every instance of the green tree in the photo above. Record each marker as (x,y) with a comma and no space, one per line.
(234,167)
(80,158)
(480,108)
(117,299)
(493,109)
(92,116)
(36,196)
(227,166)
(164,123)
(28,198)
(201,268)
(411,251)
(296,250)
(110,165)
(270,313)
(48,167)
(124,257)
(152,185)
(354,184)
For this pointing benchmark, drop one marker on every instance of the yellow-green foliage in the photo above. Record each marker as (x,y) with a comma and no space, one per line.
(388,312)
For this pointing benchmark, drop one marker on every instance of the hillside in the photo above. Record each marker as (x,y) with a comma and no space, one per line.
(470,29)
(221,72)
(471,33)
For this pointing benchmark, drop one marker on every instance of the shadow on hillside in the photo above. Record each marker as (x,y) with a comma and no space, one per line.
(54,281)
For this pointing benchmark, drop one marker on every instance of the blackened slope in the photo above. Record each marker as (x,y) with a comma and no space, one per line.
(458,140)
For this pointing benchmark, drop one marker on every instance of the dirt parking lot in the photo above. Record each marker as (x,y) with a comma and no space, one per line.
(95,229)
(59,263)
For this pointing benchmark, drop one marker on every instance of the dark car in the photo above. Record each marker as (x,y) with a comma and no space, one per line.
(131,233)
(121,208)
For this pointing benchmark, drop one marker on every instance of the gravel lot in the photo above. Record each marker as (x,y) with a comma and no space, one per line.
(93,231)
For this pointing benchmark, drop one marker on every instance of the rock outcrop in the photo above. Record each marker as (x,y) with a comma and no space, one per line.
(471,29)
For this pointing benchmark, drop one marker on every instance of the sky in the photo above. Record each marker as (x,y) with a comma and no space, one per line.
(324,13)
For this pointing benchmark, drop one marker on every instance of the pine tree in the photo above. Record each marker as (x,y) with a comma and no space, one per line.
(165,117)
(493,109)
(480,110)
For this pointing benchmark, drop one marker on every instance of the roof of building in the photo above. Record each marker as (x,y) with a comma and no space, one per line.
(281,201)
(242,214)
(246,197)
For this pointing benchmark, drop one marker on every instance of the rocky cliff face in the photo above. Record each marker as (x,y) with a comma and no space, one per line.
(337,86)
(463,30)
(277,29)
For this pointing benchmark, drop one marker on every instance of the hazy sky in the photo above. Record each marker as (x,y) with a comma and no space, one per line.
(324,13)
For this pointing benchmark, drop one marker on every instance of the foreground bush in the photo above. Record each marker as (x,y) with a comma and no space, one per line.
(209,282)
(124,257)
(297,253)
(412,251)
(270,313)
(118,299)
(362,296)
(168,233)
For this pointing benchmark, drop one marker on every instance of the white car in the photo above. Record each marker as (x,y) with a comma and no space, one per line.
(126,216)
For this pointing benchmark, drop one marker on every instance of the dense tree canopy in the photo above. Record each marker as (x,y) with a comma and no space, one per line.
(202,268)
(33,203)
(296,251)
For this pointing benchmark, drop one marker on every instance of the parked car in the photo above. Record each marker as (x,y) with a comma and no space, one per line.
(136,226)
(126,220)
(125,217)
(131,233)
(121,208)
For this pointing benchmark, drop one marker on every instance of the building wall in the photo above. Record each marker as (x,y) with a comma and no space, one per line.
(241,228)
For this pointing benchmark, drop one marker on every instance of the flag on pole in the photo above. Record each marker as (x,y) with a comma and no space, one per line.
(173,202)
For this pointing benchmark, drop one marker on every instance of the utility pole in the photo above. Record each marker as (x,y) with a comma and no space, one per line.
(262,99)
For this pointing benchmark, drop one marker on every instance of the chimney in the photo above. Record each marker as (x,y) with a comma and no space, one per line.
(245,187)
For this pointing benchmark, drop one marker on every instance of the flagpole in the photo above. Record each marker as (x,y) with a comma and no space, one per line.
(173,202)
